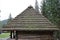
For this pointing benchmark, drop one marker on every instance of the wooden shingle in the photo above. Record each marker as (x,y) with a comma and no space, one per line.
(29,19)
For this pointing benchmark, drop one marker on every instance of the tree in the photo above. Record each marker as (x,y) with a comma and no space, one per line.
(10,18)
(51,10)
(5,22)
(36,6)
(43,9)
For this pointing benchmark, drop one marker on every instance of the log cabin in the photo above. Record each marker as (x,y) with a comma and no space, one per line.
(31,25)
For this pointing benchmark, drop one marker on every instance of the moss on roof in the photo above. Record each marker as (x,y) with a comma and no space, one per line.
(29,18)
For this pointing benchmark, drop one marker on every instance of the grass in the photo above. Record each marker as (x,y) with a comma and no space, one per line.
(4,35)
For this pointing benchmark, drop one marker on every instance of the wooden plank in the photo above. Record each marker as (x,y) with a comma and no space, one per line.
(11,34)
(16,37)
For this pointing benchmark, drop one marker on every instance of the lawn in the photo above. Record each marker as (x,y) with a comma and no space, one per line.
(4,35)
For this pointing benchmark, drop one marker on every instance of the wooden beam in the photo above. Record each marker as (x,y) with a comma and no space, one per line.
(11,34)
(16,37)
(55,35)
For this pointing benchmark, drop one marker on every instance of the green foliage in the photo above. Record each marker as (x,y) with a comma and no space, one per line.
(1,24)
(51,10)
(10,18)
(4,35)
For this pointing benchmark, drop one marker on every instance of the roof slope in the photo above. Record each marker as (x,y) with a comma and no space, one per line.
(30,19)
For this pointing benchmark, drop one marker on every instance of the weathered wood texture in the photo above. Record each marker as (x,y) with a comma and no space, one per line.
(42,35)
(30,20)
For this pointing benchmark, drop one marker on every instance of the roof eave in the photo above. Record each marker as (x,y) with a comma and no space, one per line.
(9,29)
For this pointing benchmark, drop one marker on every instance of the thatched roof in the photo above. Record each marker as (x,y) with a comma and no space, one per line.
(29,19)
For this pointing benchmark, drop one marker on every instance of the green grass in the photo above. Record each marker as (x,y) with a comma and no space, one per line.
(4,35)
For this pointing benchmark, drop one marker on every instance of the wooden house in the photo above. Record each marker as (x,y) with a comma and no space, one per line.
(31,25)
